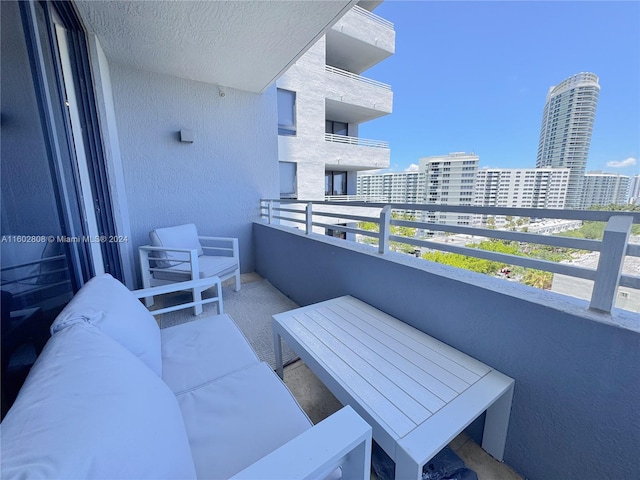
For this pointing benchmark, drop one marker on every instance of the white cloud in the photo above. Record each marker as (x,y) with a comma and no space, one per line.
(624,163)
(412,168)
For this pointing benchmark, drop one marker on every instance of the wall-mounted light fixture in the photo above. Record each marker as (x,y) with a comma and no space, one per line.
(186,136)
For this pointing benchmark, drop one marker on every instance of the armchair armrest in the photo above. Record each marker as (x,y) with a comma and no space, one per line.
(342,440)
(226,244)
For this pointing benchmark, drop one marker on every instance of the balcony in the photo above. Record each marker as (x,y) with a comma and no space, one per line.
(359,40)
(574,366)
(354,98)
(575,410)
(356,153)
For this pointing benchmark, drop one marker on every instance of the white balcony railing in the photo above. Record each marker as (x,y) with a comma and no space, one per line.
(613,248)
(372,16)
(356,198)
(354,76)
(363,142)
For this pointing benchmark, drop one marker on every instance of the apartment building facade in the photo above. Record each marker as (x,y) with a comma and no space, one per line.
(567,125)
(322,101)
(449,180)
(393,187)
(522,187)
(604,189)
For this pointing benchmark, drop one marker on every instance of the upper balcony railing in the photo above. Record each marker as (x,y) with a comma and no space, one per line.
(372,16)
(613,248)
(354,76)
(363,142)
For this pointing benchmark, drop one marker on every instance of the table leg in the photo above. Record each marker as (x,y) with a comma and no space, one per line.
(277,349)
(406,467)
(496,425)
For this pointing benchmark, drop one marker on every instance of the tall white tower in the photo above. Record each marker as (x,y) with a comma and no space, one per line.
(567,124)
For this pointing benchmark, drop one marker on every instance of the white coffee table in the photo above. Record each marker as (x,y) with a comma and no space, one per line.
(416,392)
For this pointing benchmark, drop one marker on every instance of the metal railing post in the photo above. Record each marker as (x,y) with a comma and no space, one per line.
(612,253)
(270,211)
(385,227)
(309,217)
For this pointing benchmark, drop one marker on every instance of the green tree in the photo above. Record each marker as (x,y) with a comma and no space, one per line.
(538,279)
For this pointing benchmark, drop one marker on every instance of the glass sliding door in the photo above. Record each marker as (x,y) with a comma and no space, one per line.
(48,220)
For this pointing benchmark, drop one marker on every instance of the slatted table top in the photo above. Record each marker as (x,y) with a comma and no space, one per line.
(400,378)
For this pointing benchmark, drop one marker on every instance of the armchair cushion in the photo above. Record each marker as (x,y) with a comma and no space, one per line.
(109,305)
(199,351)
(181,236)
(90,409)
(209,266)
(266,417)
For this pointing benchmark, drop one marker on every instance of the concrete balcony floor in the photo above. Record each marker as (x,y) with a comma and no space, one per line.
(316,400)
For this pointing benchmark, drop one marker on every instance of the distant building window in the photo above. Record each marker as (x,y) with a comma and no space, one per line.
(335,183)
(336,128)
(286,112)
(288,182)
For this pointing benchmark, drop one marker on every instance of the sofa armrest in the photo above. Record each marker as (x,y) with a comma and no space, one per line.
(201,284)
(342,440)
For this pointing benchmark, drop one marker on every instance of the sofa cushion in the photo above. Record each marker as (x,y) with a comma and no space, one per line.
(209,266)
(91,409)
(236,420)
(106,303)
(181,236)
(201,350)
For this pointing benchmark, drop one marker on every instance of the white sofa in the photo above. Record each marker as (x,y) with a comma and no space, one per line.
(113,396)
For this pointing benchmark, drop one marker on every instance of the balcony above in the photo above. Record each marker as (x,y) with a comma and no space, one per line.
(360,40)
(355,99)
(354,153)
(369,4)
(235,44)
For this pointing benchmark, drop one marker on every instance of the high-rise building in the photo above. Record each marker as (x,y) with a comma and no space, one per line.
(567,124)
(449,180)
(322,101)
(604,189)
(634,190)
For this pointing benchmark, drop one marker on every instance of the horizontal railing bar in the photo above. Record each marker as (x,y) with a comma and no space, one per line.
(362,142)
(289,210)
(585,215)
(358,218)
(289,219)
(372,16)
(633,250)
(344,228)
(41,287)
(554,241)
(355,76)
(630,281)
(538,264)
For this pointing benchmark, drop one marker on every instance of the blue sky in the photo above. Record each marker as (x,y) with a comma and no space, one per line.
(473,76)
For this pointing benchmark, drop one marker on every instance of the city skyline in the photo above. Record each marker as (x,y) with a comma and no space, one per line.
(474,77)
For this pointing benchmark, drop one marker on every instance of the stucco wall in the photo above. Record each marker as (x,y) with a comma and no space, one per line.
(575,411)
(307,78)
(215,182)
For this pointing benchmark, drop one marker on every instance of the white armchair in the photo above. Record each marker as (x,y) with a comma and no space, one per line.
(178,254)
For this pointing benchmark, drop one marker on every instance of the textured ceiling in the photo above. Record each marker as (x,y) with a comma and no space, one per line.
(244,44)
